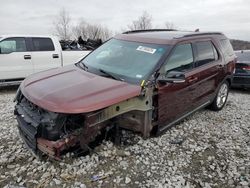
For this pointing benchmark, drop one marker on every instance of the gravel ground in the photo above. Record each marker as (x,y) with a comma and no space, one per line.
(208,149)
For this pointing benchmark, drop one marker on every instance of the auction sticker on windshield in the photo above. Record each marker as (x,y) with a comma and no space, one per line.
(146,49)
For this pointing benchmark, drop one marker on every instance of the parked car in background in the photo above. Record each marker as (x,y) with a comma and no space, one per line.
(21,56)
(144,81)
(241,77)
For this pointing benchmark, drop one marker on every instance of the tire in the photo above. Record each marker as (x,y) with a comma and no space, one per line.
(221,97)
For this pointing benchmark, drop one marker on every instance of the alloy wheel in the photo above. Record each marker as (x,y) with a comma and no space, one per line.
(222,95)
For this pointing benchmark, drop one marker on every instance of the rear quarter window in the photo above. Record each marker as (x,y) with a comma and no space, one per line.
(42,44)
(227,48)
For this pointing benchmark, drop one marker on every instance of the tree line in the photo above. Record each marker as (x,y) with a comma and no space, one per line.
(65,30)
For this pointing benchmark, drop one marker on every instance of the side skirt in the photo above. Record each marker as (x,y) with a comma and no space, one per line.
(11,82)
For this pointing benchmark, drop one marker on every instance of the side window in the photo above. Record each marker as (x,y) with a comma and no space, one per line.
(206,53)
(227,47)
(12,45)
(181,59)
(43,44)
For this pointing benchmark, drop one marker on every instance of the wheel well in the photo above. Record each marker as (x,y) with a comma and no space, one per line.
(229,81)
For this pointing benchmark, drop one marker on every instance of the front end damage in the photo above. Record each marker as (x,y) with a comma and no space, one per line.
(53,134)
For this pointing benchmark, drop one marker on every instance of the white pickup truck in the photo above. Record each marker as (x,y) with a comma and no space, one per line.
(21,56)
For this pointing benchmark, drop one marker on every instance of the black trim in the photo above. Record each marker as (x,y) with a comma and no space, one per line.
(10,82)
(29,44)
(200,34)
(55,55)
(147,30)
(27,56)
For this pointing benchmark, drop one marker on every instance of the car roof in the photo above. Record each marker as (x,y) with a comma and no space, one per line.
(164,36)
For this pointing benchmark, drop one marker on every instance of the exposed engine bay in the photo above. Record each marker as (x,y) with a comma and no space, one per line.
(54,134)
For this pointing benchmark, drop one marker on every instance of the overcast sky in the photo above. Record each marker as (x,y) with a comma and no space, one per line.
(36,16)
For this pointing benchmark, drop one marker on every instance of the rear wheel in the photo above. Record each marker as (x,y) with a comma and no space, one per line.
(221,97)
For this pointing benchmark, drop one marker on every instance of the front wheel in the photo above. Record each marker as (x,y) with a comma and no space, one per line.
(221,97)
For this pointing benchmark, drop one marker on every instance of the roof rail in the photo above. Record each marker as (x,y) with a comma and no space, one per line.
(202,33)
(147,30)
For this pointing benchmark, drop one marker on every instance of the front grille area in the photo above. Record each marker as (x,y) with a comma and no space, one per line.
(34,122)
(46,132)
(28,123)
(27,132)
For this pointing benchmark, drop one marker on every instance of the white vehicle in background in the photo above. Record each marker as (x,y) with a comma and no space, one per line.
(21,56)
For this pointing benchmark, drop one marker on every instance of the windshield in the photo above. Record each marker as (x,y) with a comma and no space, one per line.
(130,61)
(243,56)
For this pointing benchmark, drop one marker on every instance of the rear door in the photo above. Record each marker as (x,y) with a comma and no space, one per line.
(209,64)
(15,60)
(175,99)
(44,54)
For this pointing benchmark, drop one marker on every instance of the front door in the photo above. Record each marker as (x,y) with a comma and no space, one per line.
(175,99)
(15,60)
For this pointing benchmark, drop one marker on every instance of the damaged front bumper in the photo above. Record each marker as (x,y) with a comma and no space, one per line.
(54,134)
(38,136)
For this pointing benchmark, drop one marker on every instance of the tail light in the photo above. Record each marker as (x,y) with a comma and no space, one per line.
(246,68)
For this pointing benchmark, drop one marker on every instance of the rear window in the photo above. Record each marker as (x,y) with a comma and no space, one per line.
(227,47)
(243,56)
(43,44)
(205,53)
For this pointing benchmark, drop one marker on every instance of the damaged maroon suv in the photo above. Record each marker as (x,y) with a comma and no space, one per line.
(143,81)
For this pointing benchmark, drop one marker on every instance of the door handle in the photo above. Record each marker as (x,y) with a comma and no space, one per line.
(27,56)
(192,79)
(55,56)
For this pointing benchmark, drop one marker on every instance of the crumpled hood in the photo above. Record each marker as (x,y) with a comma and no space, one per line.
(73,90)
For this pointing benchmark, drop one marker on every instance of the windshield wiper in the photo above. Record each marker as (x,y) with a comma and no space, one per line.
(110,75)
(83,66)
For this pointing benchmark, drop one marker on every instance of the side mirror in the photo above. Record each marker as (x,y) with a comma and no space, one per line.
(172,77)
